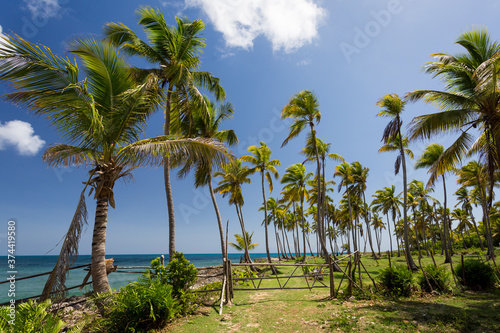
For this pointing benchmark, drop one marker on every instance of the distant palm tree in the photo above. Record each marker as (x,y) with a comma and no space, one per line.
(392,107)
(303,107)
(102,117)
(464,199)
(429,158)
(261,161)
(295,180)
(233,176)
(242,244)
(387,202)
(176,50)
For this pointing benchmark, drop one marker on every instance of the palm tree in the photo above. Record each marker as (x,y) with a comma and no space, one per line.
(295,180)
(233,176)
(392,107)
(474,174)
(470,102)
(242,244)
(429,158)
(205,124)
(303,107)
(462,217)
(261,160)
(176,50)
(387,201)
(102,117)
(272,207)
(344,171)
(463,198)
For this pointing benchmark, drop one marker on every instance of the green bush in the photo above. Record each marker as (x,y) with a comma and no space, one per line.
(31,317)
(140,306)
(397,280)
(181,274)
(438,277)
(478,275)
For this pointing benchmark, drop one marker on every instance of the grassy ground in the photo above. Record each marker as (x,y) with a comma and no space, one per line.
(312,311)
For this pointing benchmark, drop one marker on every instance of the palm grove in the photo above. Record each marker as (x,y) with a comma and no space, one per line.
(101,112)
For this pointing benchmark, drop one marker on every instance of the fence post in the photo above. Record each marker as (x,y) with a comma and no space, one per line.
(332,278)
(162,260)
(229,283)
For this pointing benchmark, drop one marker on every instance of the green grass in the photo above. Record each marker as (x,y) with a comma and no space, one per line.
(312,311)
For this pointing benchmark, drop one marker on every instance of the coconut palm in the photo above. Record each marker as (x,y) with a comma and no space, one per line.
(430,156)
(176,50)
(233,176)
(101,116)
(242,244)
(464,199)
(295,180)
(261,161)
(303,107)
(474,174)
(470,102)
(386,201)
(392,107)
(205,124)
(344,171)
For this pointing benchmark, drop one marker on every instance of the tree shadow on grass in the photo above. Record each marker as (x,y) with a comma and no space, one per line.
(478,312)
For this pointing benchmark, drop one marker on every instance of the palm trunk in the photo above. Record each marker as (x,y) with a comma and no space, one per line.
(389,229)
(406,228)
(303,228)
(219,219)
(265,220)
(445,225)
(469,209)
(243,233)
(100,282)
(484,205)
(168,186)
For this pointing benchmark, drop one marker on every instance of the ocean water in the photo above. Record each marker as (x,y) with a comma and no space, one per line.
(32,265)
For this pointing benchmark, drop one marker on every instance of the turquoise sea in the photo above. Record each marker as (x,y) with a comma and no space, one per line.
(32,265)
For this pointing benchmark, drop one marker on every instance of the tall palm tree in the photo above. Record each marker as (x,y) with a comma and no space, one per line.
(242,244)
(474,174)
(205,124)
(470,102)
(176,50)
(429,158)
(392,107)
(295,180)
(303,107)
(233,176)
(102,117)
(261,160)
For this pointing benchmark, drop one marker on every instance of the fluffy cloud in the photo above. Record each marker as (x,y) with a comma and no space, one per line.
(43,8)
(19,134)
(287,24)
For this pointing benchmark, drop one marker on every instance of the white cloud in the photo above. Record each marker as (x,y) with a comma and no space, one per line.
(288,24)
(19,134)
(43,8)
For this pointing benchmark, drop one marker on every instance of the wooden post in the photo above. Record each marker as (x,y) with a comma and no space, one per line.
(230,282)
(389,255)
(350,281)
(332,278)
(162,260)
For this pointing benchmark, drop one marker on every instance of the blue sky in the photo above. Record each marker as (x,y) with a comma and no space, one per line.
(349,53)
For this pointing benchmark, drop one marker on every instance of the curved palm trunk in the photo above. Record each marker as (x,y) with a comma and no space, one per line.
(219,219)
(369,233)
(406,233)
(469,209)
(389,230)
(168,186)
(265,219)
(484,205)
(243,233)
(100,282)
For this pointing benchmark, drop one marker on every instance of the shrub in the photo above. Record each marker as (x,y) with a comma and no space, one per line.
(181,274)
(244,274)
(31,317)
(397,280)
(139,306)
(478,275)
(438,277)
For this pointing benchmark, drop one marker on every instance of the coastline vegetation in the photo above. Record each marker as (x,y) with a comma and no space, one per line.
(102,111)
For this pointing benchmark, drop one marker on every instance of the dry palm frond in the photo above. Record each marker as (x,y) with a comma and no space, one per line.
(69,253)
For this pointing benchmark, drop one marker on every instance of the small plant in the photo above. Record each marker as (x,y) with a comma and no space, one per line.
(475,275)
(345,320)
(140,306)
(30,317)
(157,270)
(244,274)
(397,280)
(439,278)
